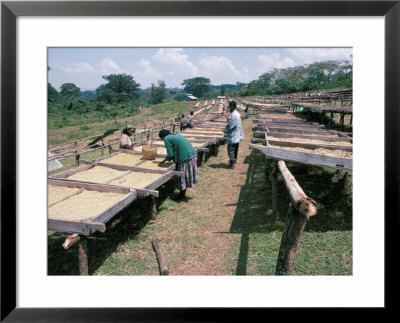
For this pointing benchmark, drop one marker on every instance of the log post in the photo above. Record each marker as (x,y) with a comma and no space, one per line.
(71,240)
(267,167)
(330,121)
(83,258)
(160,257)
(294,227)
(300,210)
(273,176)
(342,120)
(216,148)
(153,208)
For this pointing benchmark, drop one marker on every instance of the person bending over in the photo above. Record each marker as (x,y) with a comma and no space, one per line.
(126,141)
(181,151)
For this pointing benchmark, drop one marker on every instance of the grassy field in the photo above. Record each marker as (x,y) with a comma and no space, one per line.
(82,125)
(225,226)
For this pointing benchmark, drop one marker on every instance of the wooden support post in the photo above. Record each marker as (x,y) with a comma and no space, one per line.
(71,240)
(102,146)
(83,258)
(109,149)
(267,167)
(342,120)
(351,119)
(153,208)
(273,176)
(294,227)
(330,121)
(300,210)
(216,148)
(160,257)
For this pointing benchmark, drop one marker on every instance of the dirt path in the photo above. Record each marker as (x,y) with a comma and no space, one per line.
(217,195)
(196,235)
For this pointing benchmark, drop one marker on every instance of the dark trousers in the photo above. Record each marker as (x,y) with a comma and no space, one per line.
(233,152)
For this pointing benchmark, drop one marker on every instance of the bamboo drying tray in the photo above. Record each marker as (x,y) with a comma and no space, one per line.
(97,174)
(123,159)
(89,209)
(137,179)
(156,163)
(321,151)
(58,193)
(85,205)
(160,150)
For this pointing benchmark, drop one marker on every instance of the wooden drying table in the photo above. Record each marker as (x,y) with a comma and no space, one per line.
(86,226)
(322,109)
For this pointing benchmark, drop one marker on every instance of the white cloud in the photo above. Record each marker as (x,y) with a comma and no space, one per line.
(77,68)
(220,69)
(274,60)
(178,62)
(147,74)
(108,66)
(310,55)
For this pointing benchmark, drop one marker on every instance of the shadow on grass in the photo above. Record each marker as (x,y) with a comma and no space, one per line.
(254,207)
(222,165)
(126,225)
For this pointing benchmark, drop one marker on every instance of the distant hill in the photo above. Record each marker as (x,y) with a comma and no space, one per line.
(88,94)
(227,86)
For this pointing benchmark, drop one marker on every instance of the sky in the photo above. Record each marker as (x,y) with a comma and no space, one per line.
(85,66)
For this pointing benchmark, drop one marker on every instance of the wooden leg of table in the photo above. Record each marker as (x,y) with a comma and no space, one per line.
(153,208)
(273,176)
(83,258)
(294,227)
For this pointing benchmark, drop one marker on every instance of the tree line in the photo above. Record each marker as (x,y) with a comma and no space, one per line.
(123,92)
(316,76)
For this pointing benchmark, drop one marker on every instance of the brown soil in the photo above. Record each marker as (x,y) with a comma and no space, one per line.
(212,203)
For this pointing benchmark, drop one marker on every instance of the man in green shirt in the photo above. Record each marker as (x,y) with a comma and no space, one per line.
(185,158)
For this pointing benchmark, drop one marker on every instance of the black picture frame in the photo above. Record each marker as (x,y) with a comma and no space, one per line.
(10,10)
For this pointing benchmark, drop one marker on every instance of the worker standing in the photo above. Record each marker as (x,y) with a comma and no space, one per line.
(234,132)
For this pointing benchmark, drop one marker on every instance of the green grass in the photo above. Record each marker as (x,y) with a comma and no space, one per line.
(95,123)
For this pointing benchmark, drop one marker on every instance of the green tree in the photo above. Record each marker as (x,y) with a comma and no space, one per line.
(158,93)
(52,93)
(123,85)
(197,86)
(315,79)
(70,90)
(222,90)
(106,94)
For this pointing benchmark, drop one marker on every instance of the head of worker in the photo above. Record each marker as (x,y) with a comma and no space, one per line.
(232,106)
(191,113)
(163,133)
(129,130)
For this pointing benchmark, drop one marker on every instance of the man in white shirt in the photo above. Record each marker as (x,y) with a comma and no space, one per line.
(234,132)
